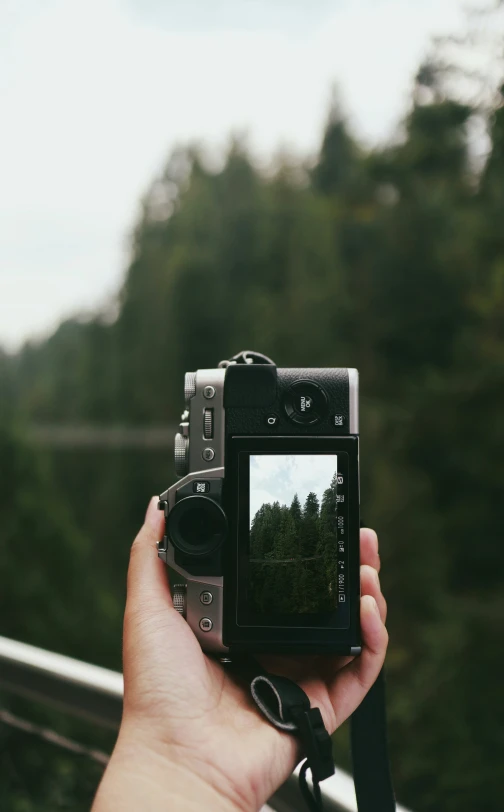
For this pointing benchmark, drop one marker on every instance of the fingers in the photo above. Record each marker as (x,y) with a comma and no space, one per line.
(375,640)
(370,585)
(351,684)
(147,582)
(370,567)
(369,548)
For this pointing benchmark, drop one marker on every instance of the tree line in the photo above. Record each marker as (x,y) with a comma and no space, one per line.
(293,559)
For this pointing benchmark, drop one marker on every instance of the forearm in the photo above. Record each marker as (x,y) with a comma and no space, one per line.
(137,778)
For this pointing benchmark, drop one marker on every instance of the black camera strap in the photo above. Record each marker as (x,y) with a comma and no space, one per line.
(370,755)
(286,706)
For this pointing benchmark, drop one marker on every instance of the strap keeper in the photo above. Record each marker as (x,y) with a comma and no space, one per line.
(315,740)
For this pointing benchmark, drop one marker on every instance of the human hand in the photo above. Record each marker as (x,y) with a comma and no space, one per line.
(191,736)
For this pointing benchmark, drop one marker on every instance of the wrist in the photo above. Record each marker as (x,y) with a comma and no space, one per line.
(141,776)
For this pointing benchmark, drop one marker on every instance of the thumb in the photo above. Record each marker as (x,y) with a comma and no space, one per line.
(148,586)
(148,600)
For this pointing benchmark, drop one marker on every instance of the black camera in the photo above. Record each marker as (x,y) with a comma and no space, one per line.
(262,529)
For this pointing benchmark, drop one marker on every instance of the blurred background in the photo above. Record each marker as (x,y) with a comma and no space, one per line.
(323,182)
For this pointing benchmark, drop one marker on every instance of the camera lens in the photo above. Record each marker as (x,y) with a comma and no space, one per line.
(197,525)
(305,402)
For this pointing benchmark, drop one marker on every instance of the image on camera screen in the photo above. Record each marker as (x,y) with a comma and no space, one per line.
(293,551)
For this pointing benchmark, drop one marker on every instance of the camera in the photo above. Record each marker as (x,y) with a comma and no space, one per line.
(262,528)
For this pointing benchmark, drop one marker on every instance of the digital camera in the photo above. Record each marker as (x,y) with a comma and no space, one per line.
(262,528)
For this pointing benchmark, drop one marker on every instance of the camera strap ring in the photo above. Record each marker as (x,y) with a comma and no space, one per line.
(248,357)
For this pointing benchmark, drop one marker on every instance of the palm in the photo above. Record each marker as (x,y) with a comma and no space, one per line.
(207,715)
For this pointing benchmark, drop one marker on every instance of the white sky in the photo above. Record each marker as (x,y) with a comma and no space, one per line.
(94,94)
(277,477)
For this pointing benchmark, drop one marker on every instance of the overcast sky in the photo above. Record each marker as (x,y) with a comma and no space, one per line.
(277,477)
(95,93)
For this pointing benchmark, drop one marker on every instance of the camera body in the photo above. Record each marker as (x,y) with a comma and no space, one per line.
(262,528)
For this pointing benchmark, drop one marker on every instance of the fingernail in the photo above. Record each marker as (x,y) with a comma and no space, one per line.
(152,515)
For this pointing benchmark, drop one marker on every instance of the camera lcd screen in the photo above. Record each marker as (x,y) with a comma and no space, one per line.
(292,567)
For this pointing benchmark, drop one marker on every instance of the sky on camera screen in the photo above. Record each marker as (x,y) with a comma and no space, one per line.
(277,477)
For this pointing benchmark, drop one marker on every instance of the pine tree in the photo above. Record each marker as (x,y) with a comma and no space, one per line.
(257,533)
(295,508)
(338,170)
(310,526)
(297,515)
(311,505)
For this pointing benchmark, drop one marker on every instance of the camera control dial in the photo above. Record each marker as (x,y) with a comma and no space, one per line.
(208,421)
(189,386)
(181,455)
(179,597)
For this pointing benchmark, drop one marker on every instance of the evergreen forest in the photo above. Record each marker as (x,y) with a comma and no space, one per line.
(293,556)
(388,258)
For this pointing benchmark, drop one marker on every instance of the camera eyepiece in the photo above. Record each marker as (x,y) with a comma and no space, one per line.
(197,526)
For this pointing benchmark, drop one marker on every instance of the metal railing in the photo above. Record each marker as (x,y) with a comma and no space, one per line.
(96,693)
(81,689)
(90,436)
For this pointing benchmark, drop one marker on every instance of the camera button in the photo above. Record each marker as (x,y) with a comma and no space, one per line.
(271,420)
(206,598)
(305,402)
(205,624)
(162,545)
(208,454)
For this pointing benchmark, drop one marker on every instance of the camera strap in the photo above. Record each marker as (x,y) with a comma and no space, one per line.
(286,706)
